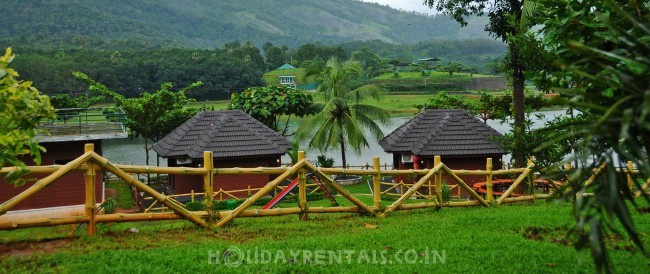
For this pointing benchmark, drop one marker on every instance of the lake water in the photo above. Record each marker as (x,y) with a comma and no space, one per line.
(131,151)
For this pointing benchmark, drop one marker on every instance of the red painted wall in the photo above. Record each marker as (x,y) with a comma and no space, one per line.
(180,184)
(66,191)
(467,163)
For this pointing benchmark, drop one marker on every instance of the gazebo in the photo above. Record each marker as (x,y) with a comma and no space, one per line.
(462,140)
(236,140)
(287,76)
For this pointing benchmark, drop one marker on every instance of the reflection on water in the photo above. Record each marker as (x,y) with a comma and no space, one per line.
(131,151)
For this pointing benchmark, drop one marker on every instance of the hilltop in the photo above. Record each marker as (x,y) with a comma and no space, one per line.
(210,24)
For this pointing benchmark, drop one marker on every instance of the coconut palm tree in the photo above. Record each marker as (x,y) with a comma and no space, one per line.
(344,116)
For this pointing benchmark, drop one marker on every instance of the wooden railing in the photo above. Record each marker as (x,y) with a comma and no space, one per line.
(431,179)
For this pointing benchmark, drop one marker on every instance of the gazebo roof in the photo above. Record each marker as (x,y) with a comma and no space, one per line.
(227,133)
(444,132)
(286,66)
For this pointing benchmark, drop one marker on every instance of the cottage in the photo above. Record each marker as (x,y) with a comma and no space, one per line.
(64,143)
(235,138)
(462,141)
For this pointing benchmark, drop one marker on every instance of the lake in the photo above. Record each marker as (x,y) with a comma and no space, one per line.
(131,151)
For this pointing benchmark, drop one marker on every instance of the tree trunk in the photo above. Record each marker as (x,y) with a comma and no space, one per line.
(343,152)
(519,115)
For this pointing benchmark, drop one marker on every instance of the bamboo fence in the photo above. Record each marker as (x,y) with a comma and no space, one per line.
(90,163)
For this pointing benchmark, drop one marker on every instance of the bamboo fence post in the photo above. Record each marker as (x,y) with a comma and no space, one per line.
(220,194)
(401,187)
(249,190)
(376,180)
(630,180)
(266,189)
(302,189)
(208,186)
(192,195)
(438,180)
(91,203)
(433,172)
(462,184)
(516,183)
(488,182)
(169,202)
(338,188)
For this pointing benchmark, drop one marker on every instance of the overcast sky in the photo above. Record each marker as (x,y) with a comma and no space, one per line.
(408,5)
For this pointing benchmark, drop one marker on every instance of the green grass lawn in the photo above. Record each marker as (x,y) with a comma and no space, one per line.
(486,240)
(398,105)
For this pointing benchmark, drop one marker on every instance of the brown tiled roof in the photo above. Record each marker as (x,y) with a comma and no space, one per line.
(443,132)
(227,133)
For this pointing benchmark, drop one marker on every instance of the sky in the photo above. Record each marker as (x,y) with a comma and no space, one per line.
(408,5)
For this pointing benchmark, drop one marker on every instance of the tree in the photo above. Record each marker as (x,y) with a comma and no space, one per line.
(67,106)
(508,21)
(451,68)
(604,72)
(370,62)
(152,115)
(22,108)
(344,116)
(487,107)
(274,56)
(268,104)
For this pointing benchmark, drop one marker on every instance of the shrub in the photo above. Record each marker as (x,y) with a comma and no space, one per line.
(195,206)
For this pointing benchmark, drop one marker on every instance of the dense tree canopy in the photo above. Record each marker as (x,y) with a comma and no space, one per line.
(22,108)
(131,72)
(268,105)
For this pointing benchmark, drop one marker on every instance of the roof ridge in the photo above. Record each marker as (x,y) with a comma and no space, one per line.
(433,134)
(204,139)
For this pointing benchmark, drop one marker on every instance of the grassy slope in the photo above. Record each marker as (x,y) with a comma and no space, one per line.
(397,105)
(271,77)
(474,239)
(435,75)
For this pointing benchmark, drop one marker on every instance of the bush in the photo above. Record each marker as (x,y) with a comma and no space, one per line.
(323,161)
(195,206)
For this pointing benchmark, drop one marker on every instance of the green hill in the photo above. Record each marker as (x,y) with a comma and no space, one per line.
(209,24)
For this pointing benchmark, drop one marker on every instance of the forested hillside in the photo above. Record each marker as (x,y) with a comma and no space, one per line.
(133,72)
(123,24)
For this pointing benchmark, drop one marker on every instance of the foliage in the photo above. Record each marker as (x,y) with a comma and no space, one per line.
(207,24)
(510,21)
(140,70)
(344,115)
(604,72)
(195,206)
(109,205)
(487,106)
(22,108)
(72,104)
(268,105)
(152,115)
(550,157)
(370,61)
(124,195)
(324,161)
(446,192)
(451,68)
